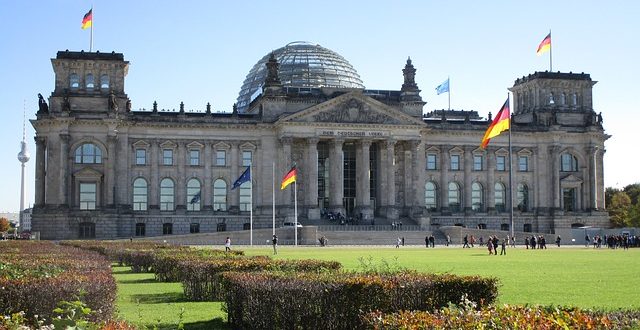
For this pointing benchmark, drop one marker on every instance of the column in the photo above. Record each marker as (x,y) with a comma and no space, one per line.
(181,182)
(490,189)
(444,178)
(40,171)
(420,175)
(555,175)
(122,164)
(206,188)
(600,177)
(311,174)
(336,175)
(110,170)
(234,195)
(155,157)
(65,190)
(391,211)
(466,190)
(363,183)
(287,163)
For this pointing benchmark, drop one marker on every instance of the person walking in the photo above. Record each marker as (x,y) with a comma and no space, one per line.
(274,241)
(432,241)
(503,250)
(426,241)
(465,240)
(448,240)
(558,239)
(398,242)
(227,244)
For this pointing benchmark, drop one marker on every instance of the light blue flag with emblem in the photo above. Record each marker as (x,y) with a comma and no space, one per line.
(443,88)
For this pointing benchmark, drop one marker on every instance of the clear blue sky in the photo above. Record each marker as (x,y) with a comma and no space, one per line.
(201,51)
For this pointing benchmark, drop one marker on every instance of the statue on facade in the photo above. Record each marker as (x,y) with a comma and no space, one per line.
(66,105)
(113,104)
(600,118)
(128,105)
(42,104)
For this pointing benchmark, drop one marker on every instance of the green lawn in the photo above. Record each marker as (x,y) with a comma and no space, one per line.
(587,278)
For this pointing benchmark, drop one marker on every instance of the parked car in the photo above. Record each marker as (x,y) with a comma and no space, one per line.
(291,225)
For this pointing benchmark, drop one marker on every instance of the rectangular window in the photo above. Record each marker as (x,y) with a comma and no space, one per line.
(167,229)
(455,162)
(87,196)
(194,157)
(523,163)
(140,229)
(141,156)
(501,163)
(221,158)
(167,157)
(246,158)
(432,161)
(194,228)
(477,162)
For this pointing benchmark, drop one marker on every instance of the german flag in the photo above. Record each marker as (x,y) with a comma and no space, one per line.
(499,124)
(545,45)
(87,21)
(289,177)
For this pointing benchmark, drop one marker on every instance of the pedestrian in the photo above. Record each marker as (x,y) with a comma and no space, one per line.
(448,240)
(426,241)
(398,242)
(526,242)
(586,240)
(465,240)
(513,241)
(432,240)
(490,246)
(504,246)
(227,244)
(495,245)
(402,240)
(558,239)
(274,241)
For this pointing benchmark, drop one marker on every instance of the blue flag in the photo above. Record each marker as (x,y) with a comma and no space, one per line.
(246,176)
(196,198)
(443,88)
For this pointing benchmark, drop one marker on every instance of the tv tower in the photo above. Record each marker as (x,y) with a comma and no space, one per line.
(23,157)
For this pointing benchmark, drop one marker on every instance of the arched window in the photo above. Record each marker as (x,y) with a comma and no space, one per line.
(568,163)
(88,153)
(523,197)
(193,195)
(104,81)
(563,99)
(477,196)
(500,197)
(245,196)
(430,196)
(454,197)
(74,81)
(140,195)
(574,99)
(167,194)
(219,195)
(551,100)
(89,82)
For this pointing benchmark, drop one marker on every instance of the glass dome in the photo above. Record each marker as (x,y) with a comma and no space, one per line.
(301,65)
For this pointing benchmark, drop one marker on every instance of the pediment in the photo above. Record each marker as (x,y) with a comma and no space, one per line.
(195,145)
(502,152)
(525,152)
(168,144)
(456,150)
(87,173)
(248,146)
(352,108)
(571,179)
(433,149)
(222,146)
(141,144)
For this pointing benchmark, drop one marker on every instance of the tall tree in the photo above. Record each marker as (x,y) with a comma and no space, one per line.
(4,225)
(620,209)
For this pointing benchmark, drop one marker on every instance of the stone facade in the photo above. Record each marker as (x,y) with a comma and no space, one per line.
(105,171)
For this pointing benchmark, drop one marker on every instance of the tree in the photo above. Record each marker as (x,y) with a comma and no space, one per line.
(633,191)
(620,209)
(4,225)
(608,194)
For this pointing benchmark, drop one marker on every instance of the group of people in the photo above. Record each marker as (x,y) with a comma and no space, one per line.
(430,240)
(613,241)
(539,241)
(493,242)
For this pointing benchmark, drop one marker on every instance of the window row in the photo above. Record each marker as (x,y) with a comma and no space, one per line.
(89,81)
(167,228)
(479,164)
(193,158)
(478,197)
(193,197)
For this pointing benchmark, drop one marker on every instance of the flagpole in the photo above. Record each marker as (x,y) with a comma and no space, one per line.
(91,38)
(273,196)
(510,172)
(251,205)
(295,211)
(550,53)
(449,92)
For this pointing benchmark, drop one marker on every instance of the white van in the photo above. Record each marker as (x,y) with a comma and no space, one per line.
(291,225)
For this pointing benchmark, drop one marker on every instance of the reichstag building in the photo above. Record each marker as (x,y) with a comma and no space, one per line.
(104,170)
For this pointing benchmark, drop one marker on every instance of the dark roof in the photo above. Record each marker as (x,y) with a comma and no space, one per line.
(82,55)
(554,75)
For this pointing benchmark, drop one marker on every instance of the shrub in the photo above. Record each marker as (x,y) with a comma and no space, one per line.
(336,301)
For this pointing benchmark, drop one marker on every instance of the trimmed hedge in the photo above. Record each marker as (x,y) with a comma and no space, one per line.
(504,317)
(337,301)
(165,264)
(202,280)
(35,276)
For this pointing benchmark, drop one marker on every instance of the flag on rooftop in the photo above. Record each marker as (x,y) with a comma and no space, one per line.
(545,45)
(499,124)
(87,20)
(443,88)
